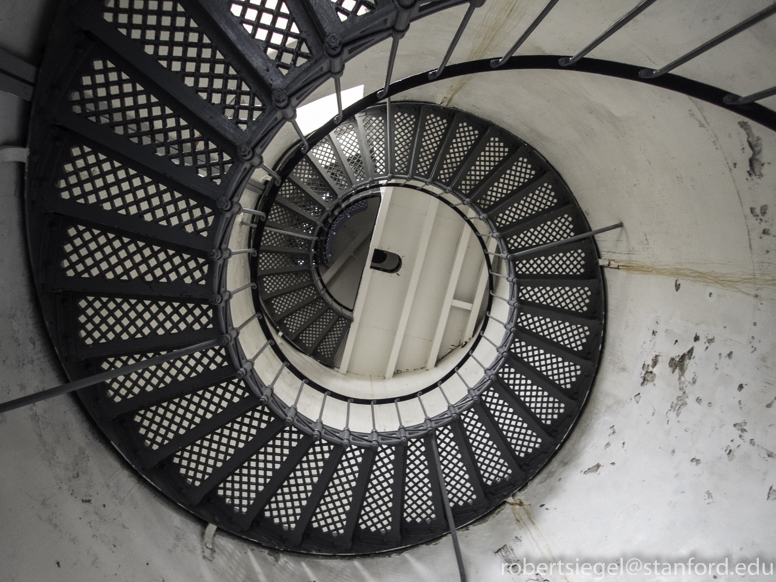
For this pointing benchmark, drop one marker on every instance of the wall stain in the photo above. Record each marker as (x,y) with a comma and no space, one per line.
(522,517)
(746,284)
(499,19)
(756,145)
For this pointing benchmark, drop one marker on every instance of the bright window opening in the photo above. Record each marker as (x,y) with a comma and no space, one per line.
(313,115)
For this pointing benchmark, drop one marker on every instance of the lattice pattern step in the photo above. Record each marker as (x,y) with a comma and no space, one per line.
(241,488)
(418,495)
(433,132)
(560,263)
(276,282)
(306,173)
(457,476)
(546,408)
(349,8)
(159,424)
(542,198)
(271,23)
(347,136)
(493,468)
(376,513)
(91,178)
(494,152)
(171,36)
(109,96)
(572,336)
(89,252)
(157,378)
(289,191)
(404,123)
(288,502)
(569,298)
(524,441)
(551,231)
(331,515)
(198,460)
(554,367)
(463,141)
(374,128)
(327,158)
(102,319)
(520,172)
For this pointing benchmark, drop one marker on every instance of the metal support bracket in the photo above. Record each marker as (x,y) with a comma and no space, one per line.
(14,154)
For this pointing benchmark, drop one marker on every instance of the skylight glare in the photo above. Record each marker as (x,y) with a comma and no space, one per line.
(313,115)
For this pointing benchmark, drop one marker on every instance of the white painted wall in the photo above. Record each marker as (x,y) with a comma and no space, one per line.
(673,457)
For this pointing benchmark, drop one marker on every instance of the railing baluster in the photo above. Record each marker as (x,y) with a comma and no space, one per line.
(558,243)
(473,5)
(731,99)
(109,375)
(719,39)
(569,61)
(495,63)
(389,73)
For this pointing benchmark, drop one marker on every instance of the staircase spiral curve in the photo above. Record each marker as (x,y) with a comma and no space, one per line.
(150,120)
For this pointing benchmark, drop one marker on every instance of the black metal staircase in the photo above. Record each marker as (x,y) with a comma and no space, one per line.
(149,119)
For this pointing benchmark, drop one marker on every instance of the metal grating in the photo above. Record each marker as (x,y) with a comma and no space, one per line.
(433,132)
(570,335)
(276,282)
(418,496)
(171,36)
(374,128)
(540,199)
(284,217)
(302,318)
(457,477)
(331,515)
(157,378)
(270,261)
(309,176)
(198,460)
(523,440)
(352,8)
(324,154)
(290,300)
(310,335)
(545,407)
(403,132)
(493,468)
(464,139)
(376,513)
(271,238)
(560,371)
(550,231)
(348,139)
(271,23)
(89,252)
(102,319)
(109,96)
(241,488)
(288,502)
(520,172)
(328,347)
(289,191)
(91,178)
(569,298)
(562,263)
(159,424)
(486,162)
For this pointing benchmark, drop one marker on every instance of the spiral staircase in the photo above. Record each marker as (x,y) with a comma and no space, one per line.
(150,237)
